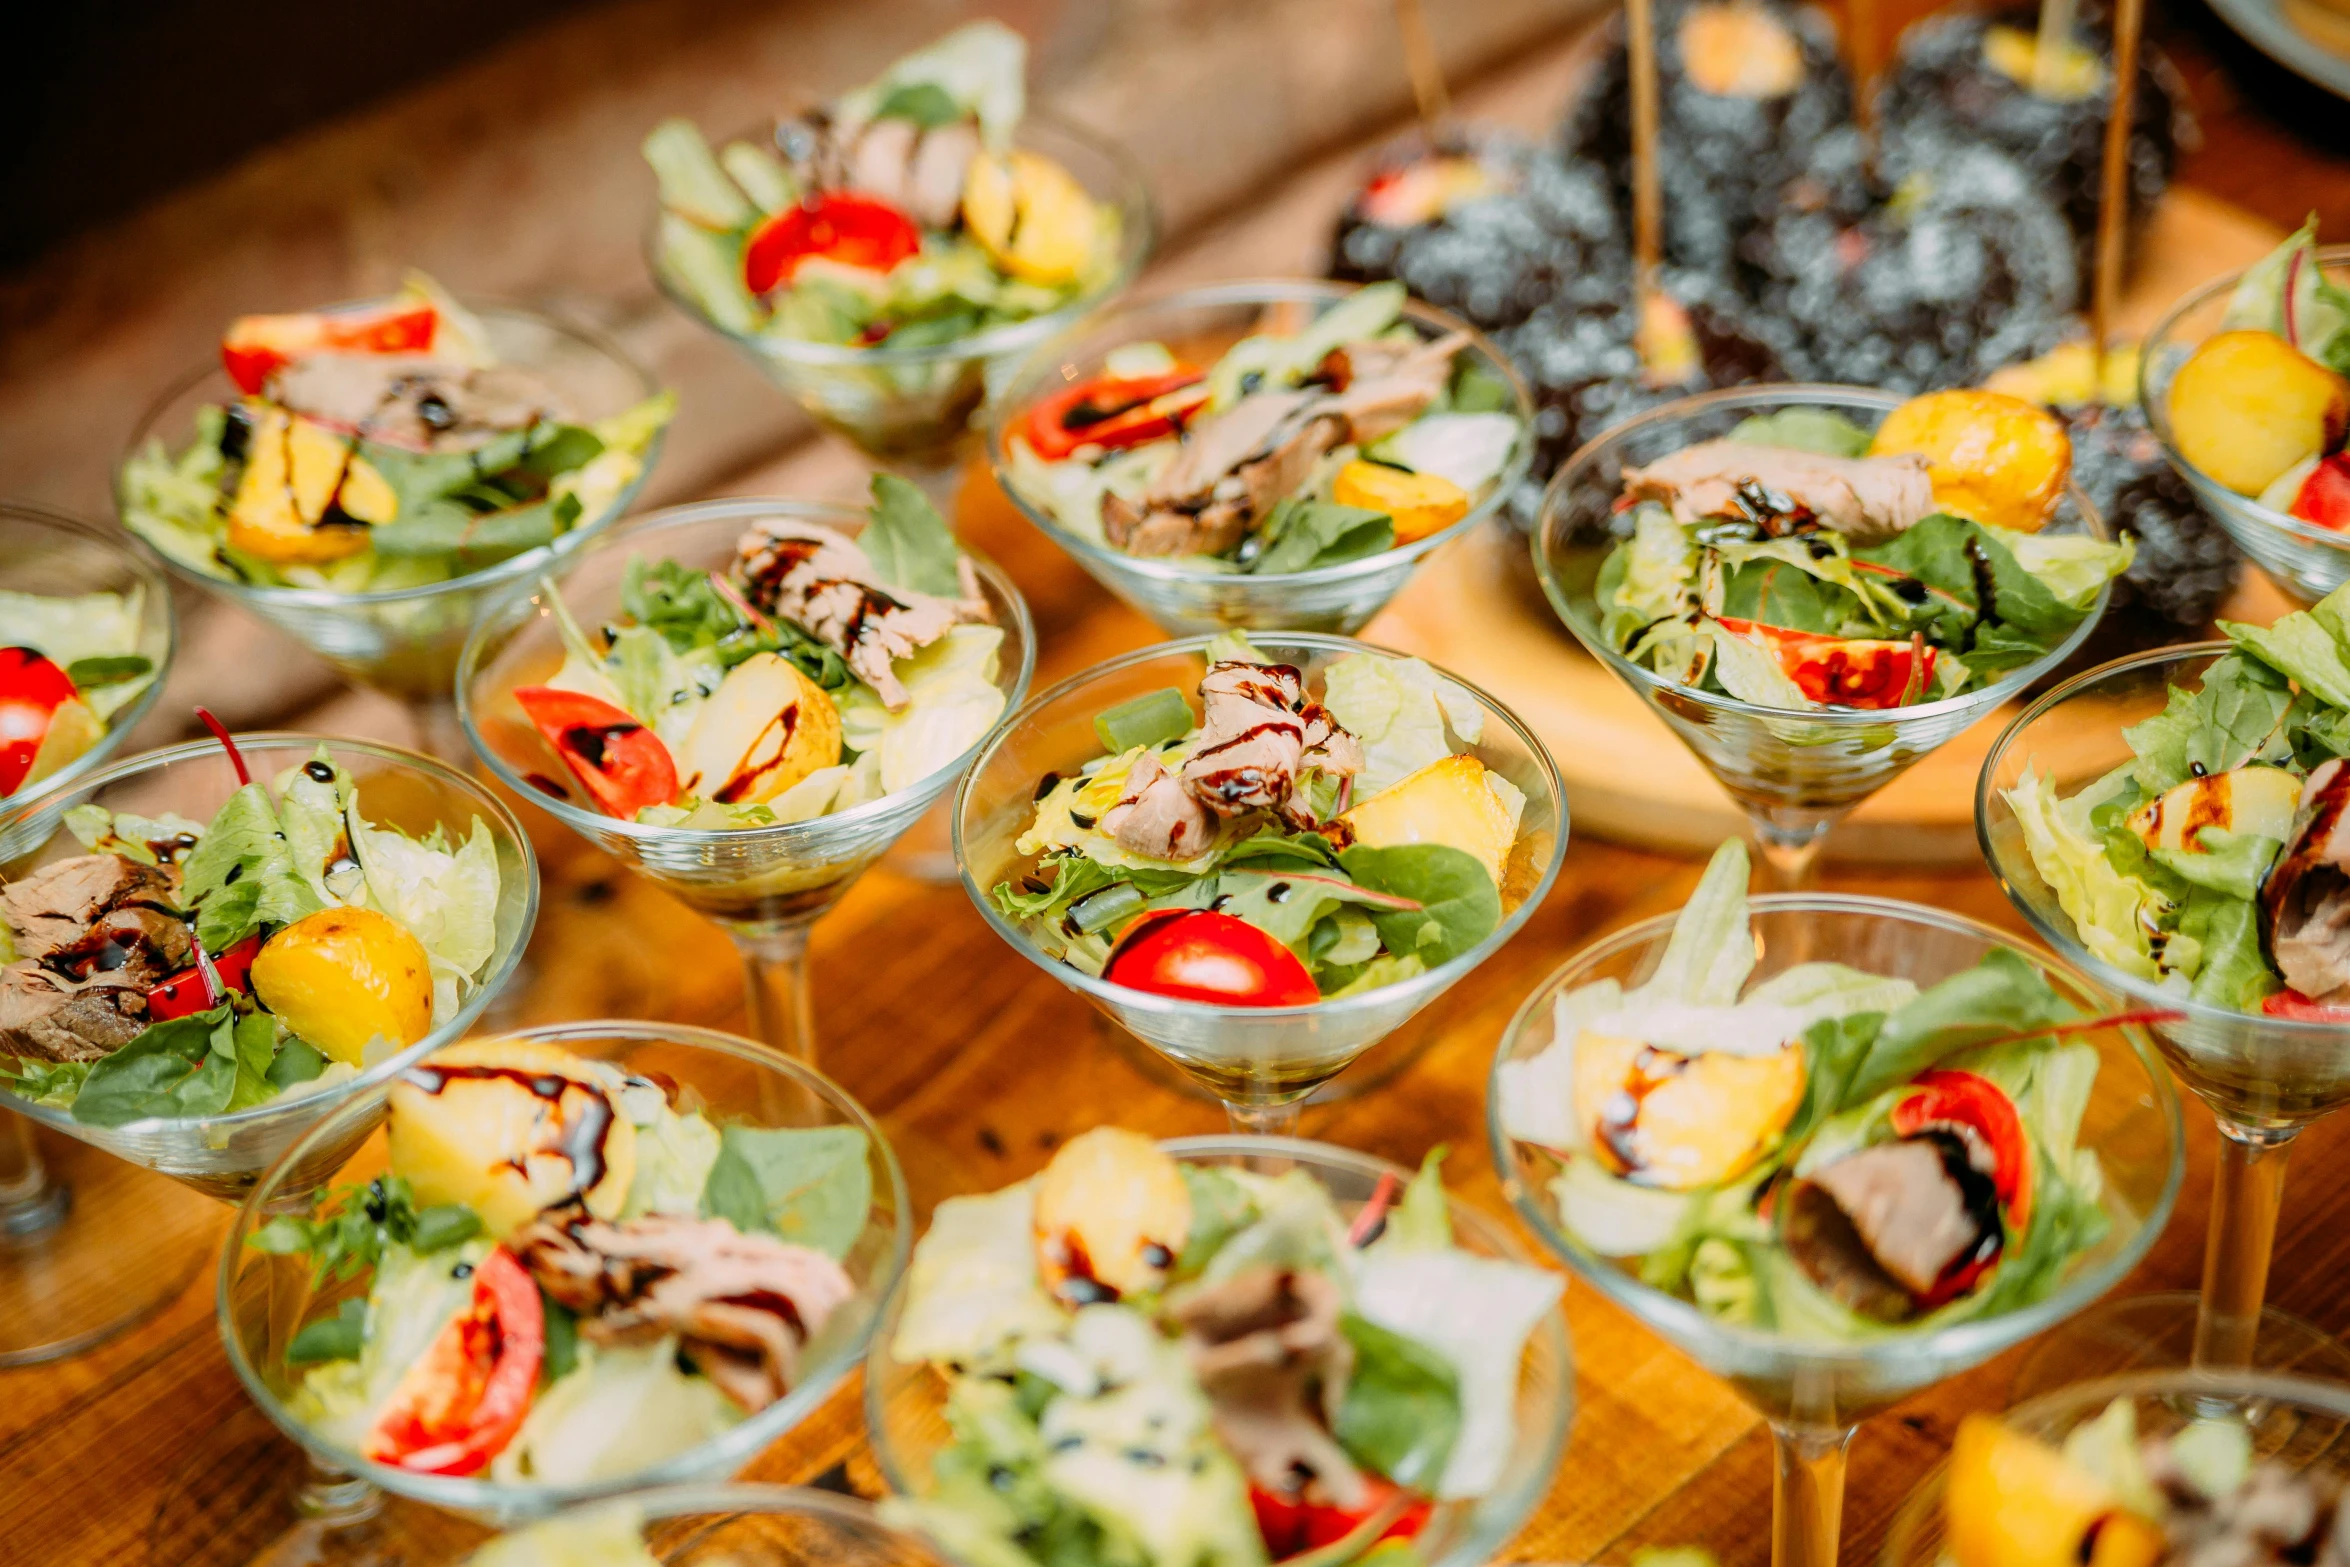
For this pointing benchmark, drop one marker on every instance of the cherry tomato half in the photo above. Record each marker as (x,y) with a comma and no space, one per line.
(622,764)
(255,346)
(854,230)
(1112,412)
(184,993)
(1291,1525)
(461,1403)
(32,689)
(1201,955)
(2324,497)
(2298,1008)
(1845,671)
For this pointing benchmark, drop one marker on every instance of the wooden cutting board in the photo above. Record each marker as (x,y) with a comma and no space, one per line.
(1628,777)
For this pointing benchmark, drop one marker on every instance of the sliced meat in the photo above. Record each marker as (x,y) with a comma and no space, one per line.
(919,172)
(820,580)
(55,907)
(2306,899)
(414,400)
(1235,466)
(52,1018)
(1156,816)
(1266,1348)
(1879,1229)
(1258,734)
(1138,531)
(1383,386)
(741,1305)
(1864,497)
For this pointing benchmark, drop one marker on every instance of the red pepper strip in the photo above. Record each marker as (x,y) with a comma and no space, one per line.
(1846,671)
(2298,1008)
(2324,497)
(1111,411)
(189,991)
(256,345)
(1291,1526)
(1374,1212)
(32,689)
(622,764)
(459,1405)
(854,230)
(220,732)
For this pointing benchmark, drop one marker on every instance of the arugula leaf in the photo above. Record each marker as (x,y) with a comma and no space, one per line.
(1833,1049)
(353,1224)
(1459,905)
(241,874)
(908,542)
(812,1186)
(2236,718)
(339,1337)
(2004,994)
(1304,535)
(1402,1410)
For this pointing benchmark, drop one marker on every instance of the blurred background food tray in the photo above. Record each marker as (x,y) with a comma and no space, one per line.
(1628,779)
(2308,37)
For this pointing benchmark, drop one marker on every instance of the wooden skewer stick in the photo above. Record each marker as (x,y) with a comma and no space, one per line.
(2113,195)
(2053,47)
(1647,197)
(1426,70)
(1862,41)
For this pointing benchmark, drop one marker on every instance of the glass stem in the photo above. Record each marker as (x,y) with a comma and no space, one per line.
(775,983)
(335,1498)
(1789,841)
(1807,1494)
(30,1202)
(1260,1119)
(2247,1191)
(439,734)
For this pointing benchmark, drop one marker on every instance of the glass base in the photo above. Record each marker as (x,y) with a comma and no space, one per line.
(102,1246)
(250,1498)
(1375,1068)
(2143,1332)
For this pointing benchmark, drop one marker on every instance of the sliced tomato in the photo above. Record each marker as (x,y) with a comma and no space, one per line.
(854,230)
(1113,411)
(32,689)
(2298,1008)
(623,765)
(1202,955)
(186,992)
(1845,671)
(461,1403)
(1291,1525)
(1950,1098)
(255,346)
(2324,497)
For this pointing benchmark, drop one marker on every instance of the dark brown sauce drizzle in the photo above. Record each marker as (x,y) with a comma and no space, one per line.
(742,784)
(581,1141)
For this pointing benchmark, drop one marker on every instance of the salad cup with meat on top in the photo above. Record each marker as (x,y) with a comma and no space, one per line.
(1262,455)
(1264,887)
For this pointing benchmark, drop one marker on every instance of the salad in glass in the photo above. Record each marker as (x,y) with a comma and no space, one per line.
(1281,845)
(68,664)
(2262,407)
(1803,563)
(815,673)
(572,1272)
(1291,451)
(2213,861)
(898,216)
(1830,1155)
(380,447)
(191,969)
(1181,1362)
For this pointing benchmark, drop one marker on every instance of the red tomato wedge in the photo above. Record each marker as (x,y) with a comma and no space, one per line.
(256,345)
(459,1405)
(185,992)
(2324,497)
(1291,1526)
(856,231)
(32,689)
(2298,1008)
(1112,411)
(623,765)
(1845,671)
(1201,955)
(1952,1098)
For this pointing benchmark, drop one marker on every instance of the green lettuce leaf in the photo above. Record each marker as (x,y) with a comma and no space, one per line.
(1402,1409)
(1405,714)
(241,874)
(2236,717)
(2232,864)
(813,1186)
(908,542)
(2311,645)
(1817,430)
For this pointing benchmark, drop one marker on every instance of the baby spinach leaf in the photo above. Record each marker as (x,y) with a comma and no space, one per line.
(339,1337)
(1273,846)
(2002,995)
(297,1061)
(186,1066)
(908,541)
(560,1355)
(1305,535)
(812,1186)
(1286,904)
(1459,905)
(1402,1410)
(1774,593)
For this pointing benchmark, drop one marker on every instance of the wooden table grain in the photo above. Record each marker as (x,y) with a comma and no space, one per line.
(979,1065)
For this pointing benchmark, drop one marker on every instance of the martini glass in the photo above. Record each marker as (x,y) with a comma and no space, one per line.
(1796,774)
(333,1509)
(98,1247)
(1816,1392)
(2295,1422)
(2303,559)
(404,642)
(1182,594)
(753,1526)
(2264,1078)
(764,885)
(1260,1061)
(905,1404)
(909,408)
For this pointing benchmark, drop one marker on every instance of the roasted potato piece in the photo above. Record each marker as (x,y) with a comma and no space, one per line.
(765,728)
(510,1128)
(1994,459)
(296,470)
(1111,1211)
(2249,405)
(1031,216)
(1419,503)
(343,978)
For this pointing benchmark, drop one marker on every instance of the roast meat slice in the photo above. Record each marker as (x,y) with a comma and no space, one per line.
(1383,385)
(820,580)
(1879,1229)
(1155,815)
(415,401)
(51,1018)
(54,908)
(1866,498)
(2306,899)
(1268,1353)
(1258,734)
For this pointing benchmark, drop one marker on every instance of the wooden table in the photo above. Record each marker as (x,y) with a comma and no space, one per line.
(979,1065)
